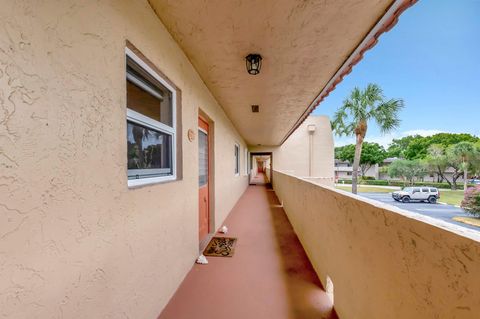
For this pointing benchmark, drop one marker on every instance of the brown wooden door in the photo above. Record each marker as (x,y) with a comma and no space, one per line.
(203,181)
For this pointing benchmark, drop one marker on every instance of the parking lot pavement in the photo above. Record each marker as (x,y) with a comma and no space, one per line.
(443,212)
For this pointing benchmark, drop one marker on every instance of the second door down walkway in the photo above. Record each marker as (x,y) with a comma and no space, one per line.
(269,275)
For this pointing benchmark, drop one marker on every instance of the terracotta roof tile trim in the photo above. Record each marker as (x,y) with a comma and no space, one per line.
(338,77)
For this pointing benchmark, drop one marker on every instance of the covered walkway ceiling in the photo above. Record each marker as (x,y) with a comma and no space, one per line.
(303,42)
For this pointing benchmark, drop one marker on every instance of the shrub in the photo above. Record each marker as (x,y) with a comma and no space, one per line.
(368,178)
(471,201)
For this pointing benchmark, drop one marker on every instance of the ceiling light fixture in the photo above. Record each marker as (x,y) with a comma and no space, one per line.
(254,63)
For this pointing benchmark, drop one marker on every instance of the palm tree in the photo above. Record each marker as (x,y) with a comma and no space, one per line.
(438,162)
(140,134)
(465,152)
(353,116)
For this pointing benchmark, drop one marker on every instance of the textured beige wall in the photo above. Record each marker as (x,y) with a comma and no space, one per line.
(293,156)
(384,262)
(75,242)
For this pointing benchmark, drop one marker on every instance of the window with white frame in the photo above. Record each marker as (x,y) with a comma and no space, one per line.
(237,159)
(151,105)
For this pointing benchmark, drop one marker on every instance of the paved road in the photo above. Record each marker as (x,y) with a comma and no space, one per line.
(443,212)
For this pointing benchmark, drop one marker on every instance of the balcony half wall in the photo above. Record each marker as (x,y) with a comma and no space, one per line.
(384,262)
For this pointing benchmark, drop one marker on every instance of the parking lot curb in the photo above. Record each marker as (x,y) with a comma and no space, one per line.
(449,204)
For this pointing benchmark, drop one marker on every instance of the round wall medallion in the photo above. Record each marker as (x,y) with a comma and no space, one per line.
(191,135)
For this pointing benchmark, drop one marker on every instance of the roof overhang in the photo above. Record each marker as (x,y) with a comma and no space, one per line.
(307,49)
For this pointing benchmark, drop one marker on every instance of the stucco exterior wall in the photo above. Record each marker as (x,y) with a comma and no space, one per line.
(294,155)
(75,242)
(345,172)
(384,262)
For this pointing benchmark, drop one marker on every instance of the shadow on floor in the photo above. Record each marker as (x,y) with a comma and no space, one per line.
(306,293)
(269,275)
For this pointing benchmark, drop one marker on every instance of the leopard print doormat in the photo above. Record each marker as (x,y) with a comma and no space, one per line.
(220,247)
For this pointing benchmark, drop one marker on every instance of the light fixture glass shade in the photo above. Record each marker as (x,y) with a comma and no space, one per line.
(253,63)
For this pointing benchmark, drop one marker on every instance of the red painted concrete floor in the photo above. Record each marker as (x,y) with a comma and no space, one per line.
(269,275)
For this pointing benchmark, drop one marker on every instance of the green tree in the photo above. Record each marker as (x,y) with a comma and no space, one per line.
(447,139)
(437,162)
(372,153)
(397,169)
(361,107)
(398,146)
(465,152)
(345,153)
(416,146)
(476,160)
(408,170)
(455,163)
(338,151)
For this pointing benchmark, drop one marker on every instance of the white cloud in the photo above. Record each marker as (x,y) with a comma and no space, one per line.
(342,141)
(386,139)
(422,132)
(383,140)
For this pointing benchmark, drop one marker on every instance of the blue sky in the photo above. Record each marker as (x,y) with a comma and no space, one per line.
(431,59)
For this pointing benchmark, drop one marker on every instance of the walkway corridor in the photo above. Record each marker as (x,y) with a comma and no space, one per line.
(269,275)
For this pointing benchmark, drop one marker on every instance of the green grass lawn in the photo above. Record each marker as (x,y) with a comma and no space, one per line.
(468,220)
(365,189)
(451,197)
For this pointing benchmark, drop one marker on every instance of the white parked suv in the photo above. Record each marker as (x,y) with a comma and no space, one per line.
(424,193)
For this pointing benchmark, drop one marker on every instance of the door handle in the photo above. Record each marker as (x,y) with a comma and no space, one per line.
(205,199)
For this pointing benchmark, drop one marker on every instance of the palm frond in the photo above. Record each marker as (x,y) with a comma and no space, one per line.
(339,125)
(373,95)
(363,105)
(386,114)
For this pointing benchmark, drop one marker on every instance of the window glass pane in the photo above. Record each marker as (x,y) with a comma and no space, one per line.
(237,159)
(149,152)
(148,96)
(203,158)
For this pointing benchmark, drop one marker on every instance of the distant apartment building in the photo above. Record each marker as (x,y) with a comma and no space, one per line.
(344,169)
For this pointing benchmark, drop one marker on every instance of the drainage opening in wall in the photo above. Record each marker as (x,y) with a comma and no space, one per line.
(329,289)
